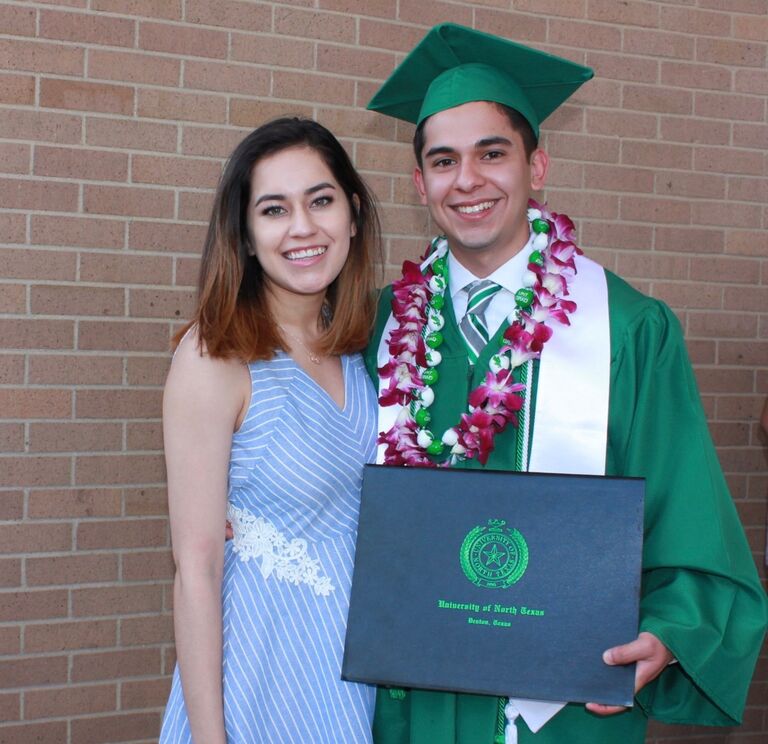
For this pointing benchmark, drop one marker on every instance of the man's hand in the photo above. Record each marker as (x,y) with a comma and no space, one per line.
(651,655)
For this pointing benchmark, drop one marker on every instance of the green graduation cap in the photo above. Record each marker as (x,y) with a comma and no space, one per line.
(453,64)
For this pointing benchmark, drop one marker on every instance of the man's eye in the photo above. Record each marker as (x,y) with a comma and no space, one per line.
(493,154)
(443,163)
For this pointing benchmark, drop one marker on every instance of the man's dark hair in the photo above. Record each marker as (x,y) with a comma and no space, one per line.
(516,120)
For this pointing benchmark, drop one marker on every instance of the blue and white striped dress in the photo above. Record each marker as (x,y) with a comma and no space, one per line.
(294,493)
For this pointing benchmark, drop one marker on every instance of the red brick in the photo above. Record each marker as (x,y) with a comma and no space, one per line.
(749,299)
(658,43)
(379,8)
(69,636)
(166,236)
(123,336)
(17,21)
(748,189)
(11,505)
(134,135)
(722,325)
(750,135)
(124,533)
(13,299)
(726,160)
(125,269)
(213,141)
(144,435)
(128,201)
(739,353)
(17,89)
(86,96)
(14,158)
(687,75)
(655,209)
(96,165)
(630,124)
(251,113)
(693,21)
(128,469)
(10,640)
(89,28)
(115,665)
(689,239)
(231,14)
(133,67)
(187,270)
(70,700)
(303,86)
(725,214)
(740,271)
(687,129)
(74,437)
(146,630)
(223,77)
(148,566)
(680,295)
(747,242)
(148,370)
(121,403)
(10,708)
(33,605)
(169,9)
(385,35)
(27,194)
(275,51)
(145,693)
(10,573)
(54,732)
(75,370)
(680,183)
(13,227)
(354,62)
(195,206)
(657,154)
(184,40)
(11,437)
(83,232)
(650,265)
(567,8)
(51,299)
(752,81)
(622,67)
(415,11)
(740,408)
(74,503)
(657,99)
(729,52)
(40,125)
(32,538)
(724,379)
(624,12)
(572,33)
(39,265)
(116,728)
(618,178)
(728,106)
(32,56)
(72,569)
(21,333)
(175,171)
(165,104)
(146,502)
(161,303)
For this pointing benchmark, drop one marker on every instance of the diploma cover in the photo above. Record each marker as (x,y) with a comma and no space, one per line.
(498,583)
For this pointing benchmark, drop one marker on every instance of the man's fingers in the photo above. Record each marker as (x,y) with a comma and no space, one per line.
(604,710)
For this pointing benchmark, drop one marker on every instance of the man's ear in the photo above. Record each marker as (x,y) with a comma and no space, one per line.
(418,180)
(539,169)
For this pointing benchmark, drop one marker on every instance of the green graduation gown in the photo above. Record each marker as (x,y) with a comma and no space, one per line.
(701,595)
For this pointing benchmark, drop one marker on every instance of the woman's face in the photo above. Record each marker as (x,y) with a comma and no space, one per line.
(299,221)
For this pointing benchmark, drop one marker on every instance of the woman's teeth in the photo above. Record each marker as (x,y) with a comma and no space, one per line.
(305,253)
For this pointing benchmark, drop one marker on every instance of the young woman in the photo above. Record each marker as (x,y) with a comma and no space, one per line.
(269,417)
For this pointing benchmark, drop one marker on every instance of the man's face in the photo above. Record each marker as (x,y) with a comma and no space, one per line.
(475,179)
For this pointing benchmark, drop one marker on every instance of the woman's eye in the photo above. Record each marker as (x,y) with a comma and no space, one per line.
(273,211)
(322,201)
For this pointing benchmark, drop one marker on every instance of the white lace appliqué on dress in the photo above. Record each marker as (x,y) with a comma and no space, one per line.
(256,537)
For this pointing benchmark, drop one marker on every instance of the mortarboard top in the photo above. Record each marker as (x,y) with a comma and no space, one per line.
(453,65)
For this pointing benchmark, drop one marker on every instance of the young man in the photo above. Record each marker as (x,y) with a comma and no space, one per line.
(600,384)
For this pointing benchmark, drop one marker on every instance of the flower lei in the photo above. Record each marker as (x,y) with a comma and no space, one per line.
(412,369)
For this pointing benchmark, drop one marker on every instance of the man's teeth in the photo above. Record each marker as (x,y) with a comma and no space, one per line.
(475,208)
(305,253)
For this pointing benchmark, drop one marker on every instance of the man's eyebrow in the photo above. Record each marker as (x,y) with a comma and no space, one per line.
(282,197)
(439,150)
(489,141)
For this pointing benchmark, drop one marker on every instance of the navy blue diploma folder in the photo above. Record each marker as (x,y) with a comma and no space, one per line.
(496,583)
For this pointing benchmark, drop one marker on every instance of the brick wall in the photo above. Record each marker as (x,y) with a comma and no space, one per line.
(115,116)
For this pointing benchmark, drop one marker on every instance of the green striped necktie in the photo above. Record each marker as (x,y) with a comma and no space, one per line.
(473,327)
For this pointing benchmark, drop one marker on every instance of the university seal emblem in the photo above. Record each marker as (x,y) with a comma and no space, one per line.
(494,556)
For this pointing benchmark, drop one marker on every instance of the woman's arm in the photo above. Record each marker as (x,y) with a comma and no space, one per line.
(202,405)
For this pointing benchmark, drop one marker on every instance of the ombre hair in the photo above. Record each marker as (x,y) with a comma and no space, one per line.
(232,317)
